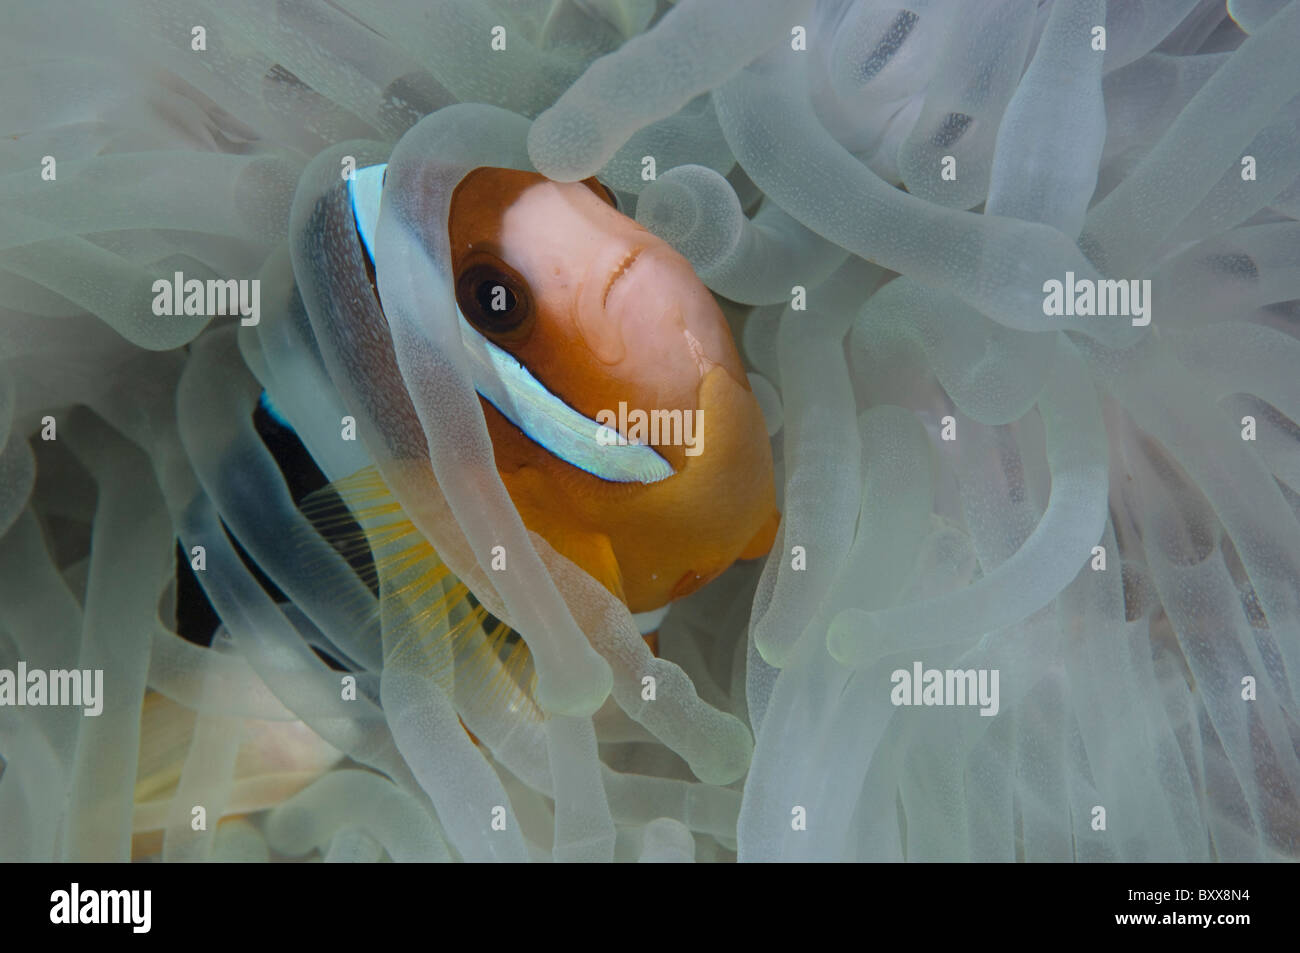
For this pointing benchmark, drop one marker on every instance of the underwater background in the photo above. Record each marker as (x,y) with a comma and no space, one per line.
(1096,515)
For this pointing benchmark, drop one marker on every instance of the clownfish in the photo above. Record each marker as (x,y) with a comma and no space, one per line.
(621,419)
(570,312)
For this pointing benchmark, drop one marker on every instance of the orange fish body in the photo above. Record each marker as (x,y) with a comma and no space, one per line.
(621,419)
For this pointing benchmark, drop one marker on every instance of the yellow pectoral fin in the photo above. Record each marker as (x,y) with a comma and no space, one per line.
(594,553)
(431,621)
(762,542)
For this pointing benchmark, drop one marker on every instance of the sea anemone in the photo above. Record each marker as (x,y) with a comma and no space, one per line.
(1017,284)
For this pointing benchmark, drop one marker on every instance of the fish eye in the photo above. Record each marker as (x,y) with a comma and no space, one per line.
(493,297)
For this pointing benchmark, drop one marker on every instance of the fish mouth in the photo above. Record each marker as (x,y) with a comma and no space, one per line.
(619,271)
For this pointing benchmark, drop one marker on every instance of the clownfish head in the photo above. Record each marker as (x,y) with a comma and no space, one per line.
(621,417)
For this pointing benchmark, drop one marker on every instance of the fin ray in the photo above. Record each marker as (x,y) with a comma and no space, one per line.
(430,619)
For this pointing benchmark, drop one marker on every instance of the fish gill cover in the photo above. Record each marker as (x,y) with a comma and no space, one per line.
(1016,288)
